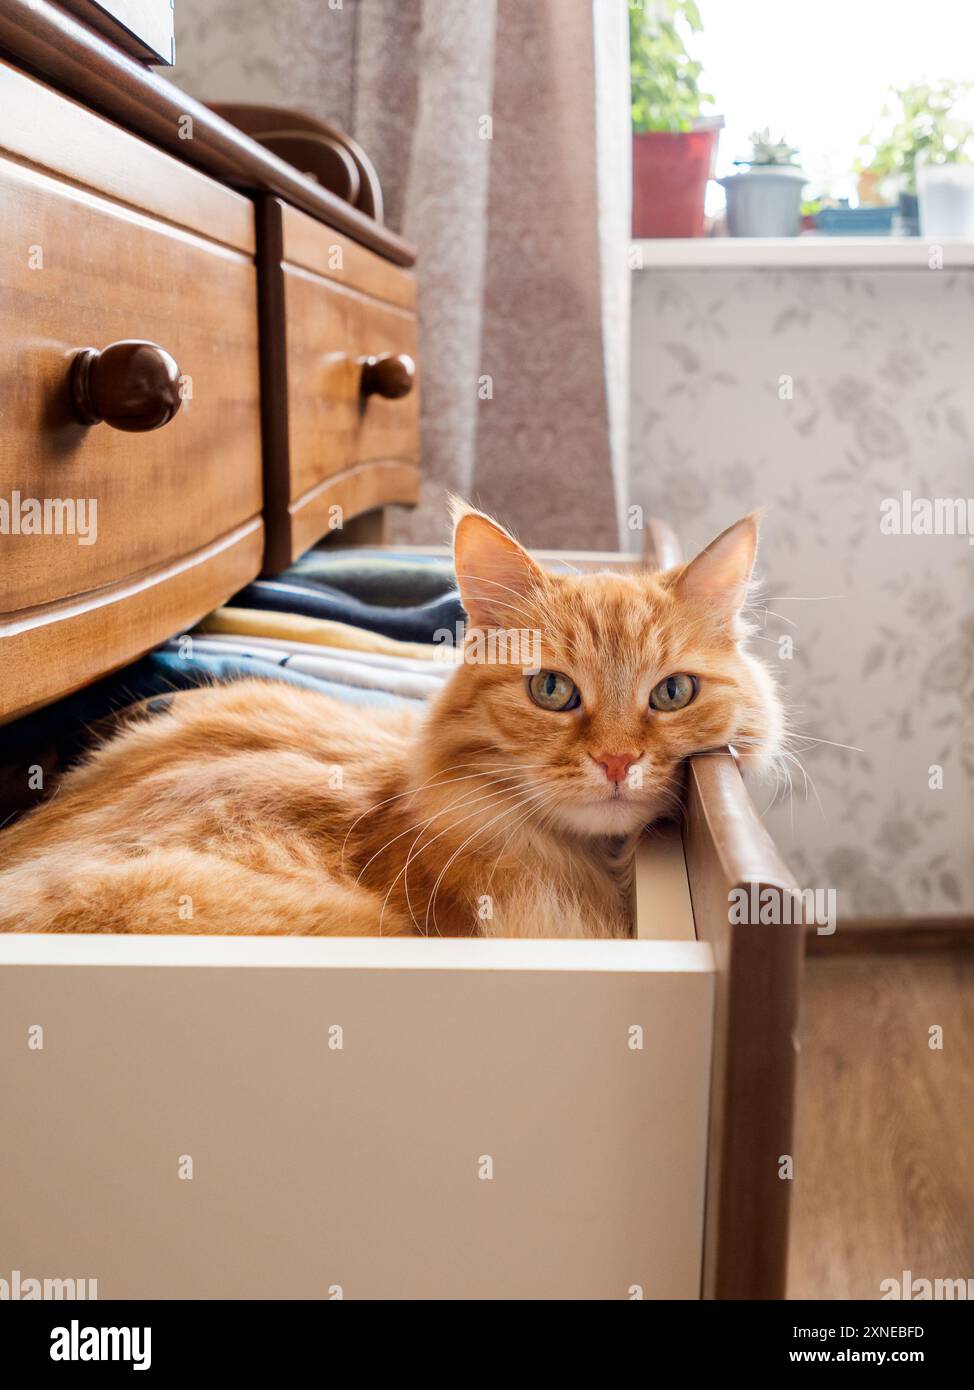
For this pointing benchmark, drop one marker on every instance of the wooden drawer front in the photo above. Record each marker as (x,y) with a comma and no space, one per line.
(111,540)
(329,304)
(107,275)
(329,331)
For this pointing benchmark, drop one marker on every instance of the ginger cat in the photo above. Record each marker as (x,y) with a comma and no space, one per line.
(510,806)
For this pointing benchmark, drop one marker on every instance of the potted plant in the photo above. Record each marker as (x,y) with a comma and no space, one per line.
(673,146)
(764,198)
(917,139)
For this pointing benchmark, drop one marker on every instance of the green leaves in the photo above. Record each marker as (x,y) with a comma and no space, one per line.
(766,150)
(666,91)
(917,120)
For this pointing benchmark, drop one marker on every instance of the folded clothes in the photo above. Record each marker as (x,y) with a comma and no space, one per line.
(392,581)
(323,632)
(316,661)
(260,645)
(418,622)
(203,667)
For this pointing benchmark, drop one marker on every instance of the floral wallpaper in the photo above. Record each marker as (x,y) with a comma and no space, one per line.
(824,394)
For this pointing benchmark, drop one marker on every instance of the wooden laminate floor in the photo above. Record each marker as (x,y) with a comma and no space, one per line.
(884,1172)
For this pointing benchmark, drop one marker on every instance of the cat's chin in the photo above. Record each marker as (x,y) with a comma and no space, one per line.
(603,817)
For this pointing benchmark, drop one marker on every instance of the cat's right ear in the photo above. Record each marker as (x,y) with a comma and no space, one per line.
(495,574)
(719,576)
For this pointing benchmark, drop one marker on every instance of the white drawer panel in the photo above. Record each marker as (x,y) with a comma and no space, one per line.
(486,1129)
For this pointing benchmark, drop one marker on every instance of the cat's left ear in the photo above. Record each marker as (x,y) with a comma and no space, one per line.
(495,574)
(719,575)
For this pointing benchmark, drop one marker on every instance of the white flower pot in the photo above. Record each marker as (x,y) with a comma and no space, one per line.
(764,201)
(946,199)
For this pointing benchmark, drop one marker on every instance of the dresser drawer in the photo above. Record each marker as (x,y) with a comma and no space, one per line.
(112,538)
(543,1157)
(340,346)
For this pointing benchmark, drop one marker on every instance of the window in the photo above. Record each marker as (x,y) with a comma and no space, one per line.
(819,72)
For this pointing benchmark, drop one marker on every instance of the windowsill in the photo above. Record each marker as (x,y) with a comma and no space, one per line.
(810,251)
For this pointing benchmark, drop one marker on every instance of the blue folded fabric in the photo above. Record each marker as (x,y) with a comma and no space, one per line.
(415,623)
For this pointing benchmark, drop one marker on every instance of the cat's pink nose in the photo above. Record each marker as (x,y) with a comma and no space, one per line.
(616,765)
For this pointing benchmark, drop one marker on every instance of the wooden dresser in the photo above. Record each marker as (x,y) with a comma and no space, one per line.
(199,380)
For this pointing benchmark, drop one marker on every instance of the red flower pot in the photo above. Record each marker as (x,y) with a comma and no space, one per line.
(670,170)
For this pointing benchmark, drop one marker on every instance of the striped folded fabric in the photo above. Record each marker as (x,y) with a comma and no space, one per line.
(323,632)
(414,680)
(394,662)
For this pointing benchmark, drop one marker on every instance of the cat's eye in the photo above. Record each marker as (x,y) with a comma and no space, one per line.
(551,690)
(675,692)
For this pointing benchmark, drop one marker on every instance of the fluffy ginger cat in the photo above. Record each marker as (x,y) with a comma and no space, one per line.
(522,791)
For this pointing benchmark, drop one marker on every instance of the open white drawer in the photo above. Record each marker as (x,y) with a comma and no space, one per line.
(415,1118)
(395,1119)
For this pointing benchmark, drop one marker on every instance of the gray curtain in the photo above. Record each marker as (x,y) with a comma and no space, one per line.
(500,132)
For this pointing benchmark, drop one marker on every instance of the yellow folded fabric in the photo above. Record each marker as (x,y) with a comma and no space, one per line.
(324,632)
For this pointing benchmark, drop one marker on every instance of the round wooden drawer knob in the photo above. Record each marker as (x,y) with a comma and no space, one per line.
(391,375)
(131,385)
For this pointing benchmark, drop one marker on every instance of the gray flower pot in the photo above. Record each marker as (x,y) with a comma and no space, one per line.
(764,201)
